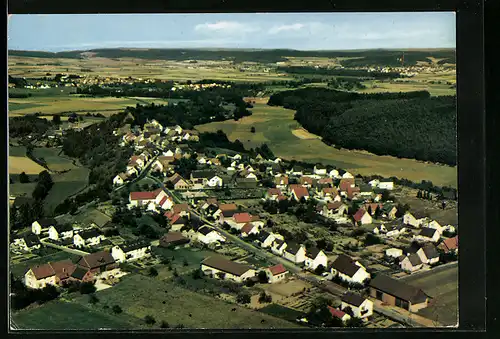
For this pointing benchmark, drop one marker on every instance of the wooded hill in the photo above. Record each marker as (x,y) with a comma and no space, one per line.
(407,125)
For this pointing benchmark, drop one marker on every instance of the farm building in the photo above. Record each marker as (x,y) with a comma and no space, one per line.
(221,268)
(397,293)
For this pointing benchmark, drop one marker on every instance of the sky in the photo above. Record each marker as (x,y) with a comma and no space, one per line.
(301,31)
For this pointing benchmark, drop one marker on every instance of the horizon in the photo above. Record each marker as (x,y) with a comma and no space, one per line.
(235,31)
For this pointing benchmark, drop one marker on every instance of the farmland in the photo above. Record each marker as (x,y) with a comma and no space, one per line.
(65,185)
(19,162)
(274,126)
(140,296)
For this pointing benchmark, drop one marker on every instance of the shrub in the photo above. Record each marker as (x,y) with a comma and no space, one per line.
(319,270)
(149,320)
(265,298)
(164,324)
(87,288)
(249,282)
(185,262)
(116,309)
(263,278)
(153,272)
(93,299)
(197,274)
(243,297)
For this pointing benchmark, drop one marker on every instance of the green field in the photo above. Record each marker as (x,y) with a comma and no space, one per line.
(52,159)
(60,315)
(281,312)
(139,296)
(65,185)
(274,126)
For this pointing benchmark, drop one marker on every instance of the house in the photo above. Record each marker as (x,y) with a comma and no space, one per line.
(386,185)
(435,225)
(352,193)
(181,209)
(299,192)
(130,251)
(332,209)
(265,239)
(428,254)
(221,268)
(389,211)
(361,307)
(273,194)
(330,194)
(60,231)
(137,161)
(362,217)
(394,229)
(278,246)
(347,175)
(177,222)
(89,237)
(314,258)
(98,262)
(248,229)
(238,220)
(410,263)
(349,270)
(151,199)
(428,234)
(178,182)
(334,174)
(120,179)
(306,181)
(394,252)
(319,170)
(80,274)
(226,210)
(449,245)
(42,225)
(28,242)
(276,273)
(397,293)
(372,208)
(294,252)
(40,276)
(173,239)
(209,235)
(281,181)
(414,219)
(206,178)
(63,270)
(338,314)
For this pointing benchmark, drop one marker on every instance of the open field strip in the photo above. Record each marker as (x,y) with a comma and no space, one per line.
(18,165)
(274,126)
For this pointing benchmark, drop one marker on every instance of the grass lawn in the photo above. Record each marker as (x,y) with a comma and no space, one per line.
(60,315)
(281,312)
(192,256)
(139,296)
(18,190)
(275,126)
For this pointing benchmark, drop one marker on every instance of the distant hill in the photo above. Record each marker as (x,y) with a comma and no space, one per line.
(375,57)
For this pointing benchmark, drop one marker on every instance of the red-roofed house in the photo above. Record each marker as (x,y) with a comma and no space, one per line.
(345,183)
(299,193)
(449,245)
(276,273)
(306,181)
(281,181)
(339,314)
(373,207)
(362,217)
(238,220)
(352,192)
(329,194)
(150,199)
(177,222)
(273,194)
(40,276)
(249,228)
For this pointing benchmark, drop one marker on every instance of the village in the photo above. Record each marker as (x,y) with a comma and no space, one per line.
(275,229)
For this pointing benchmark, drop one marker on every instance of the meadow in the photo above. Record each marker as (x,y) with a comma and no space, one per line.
(19,162)
(65,185)
(275,125)
(139,296)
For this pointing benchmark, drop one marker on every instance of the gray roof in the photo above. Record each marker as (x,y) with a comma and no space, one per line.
(63,227)
(345,265)
(203,174)
(205,230)
(430,251)
(414,259)
(225,265)
(353,298)
(31,240)
(46,222)
(88,234)
(292,247)
(263,236)
(312,252)
(79,273)
(427,232)
(398,289)
(133,246)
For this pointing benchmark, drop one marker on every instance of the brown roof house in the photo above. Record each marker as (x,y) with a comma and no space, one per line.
(349,270)
(98,262)
(219,267)
(173,239)
(397,293)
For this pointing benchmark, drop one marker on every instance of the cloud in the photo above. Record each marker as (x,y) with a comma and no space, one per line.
(286,28)
(230,27)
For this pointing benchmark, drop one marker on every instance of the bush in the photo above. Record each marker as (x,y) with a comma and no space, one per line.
(243,298)
(164,324)
(196,274)
(371,239)
(265,298)
(149,320)
(93,299)
(263,278)
(185,262)
(87,288)
(152,272)
(319,270)
(249,282)
(116,309)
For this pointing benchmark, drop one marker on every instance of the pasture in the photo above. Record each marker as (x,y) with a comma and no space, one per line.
(65,185)
(61,315)
(19,162)
(51,157)
(275,125)
(139,296)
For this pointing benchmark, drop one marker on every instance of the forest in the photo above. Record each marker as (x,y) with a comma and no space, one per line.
(409,125)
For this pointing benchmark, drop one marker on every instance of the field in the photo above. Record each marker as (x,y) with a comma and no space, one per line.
(274,126)
(60,315)
(139,296)
(52,159)
(65,185)
(18,162)
(433,89)
(442,285)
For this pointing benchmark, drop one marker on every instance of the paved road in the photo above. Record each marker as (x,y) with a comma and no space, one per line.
(63,248)
(141,175)
(423,274)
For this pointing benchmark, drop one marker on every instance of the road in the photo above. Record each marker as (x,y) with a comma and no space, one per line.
(423,274)
(63,248)
(141,175)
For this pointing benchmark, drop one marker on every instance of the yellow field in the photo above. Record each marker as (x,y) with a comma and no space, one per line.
(275,125)
(433,89)
(18,165)
(304,134)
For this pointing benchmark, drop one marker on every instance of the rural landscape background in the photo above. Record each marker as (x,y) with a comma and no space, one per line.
(384,113)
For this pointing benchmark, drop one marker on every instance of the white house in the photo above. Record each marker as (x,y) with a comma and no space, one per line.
(208,235)
(347,175)
(319,171)
(295,253)
(428,254)
(395,230)
(61,231)
(28,242)
(413,219)
(334,174)
(314,258)
(224,269)
(131,251)
(265,239)
(394,252)
(40,276)
(386,185)
(276,273)
(362,217)
(349,270)
(410,262)
(435,225)
(42,225)
(361,307)
(278,246)
(427,234)
(248,229)
(374,183)
(90,237)
(120,179)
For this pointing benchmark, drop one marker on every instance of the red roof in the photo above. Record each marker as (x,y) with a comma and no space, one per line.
(451,243)
(301,192)
(336,313)
(334,205)
(174,218)
(63,268)
(325,181)
(162,201)
(181,208)
(274,191)
(373,207)
(281,197)
(228,207)
(277,269)
(43,271)
(293,186)
(212,201)
(242,217)
(346,183)
(169,214)
(247,228)
(306,180)
(142,195)
(330,190)
(359,214)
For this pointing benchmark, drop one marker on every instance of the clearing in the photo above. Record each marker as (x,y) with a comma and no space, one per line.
(274,126)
